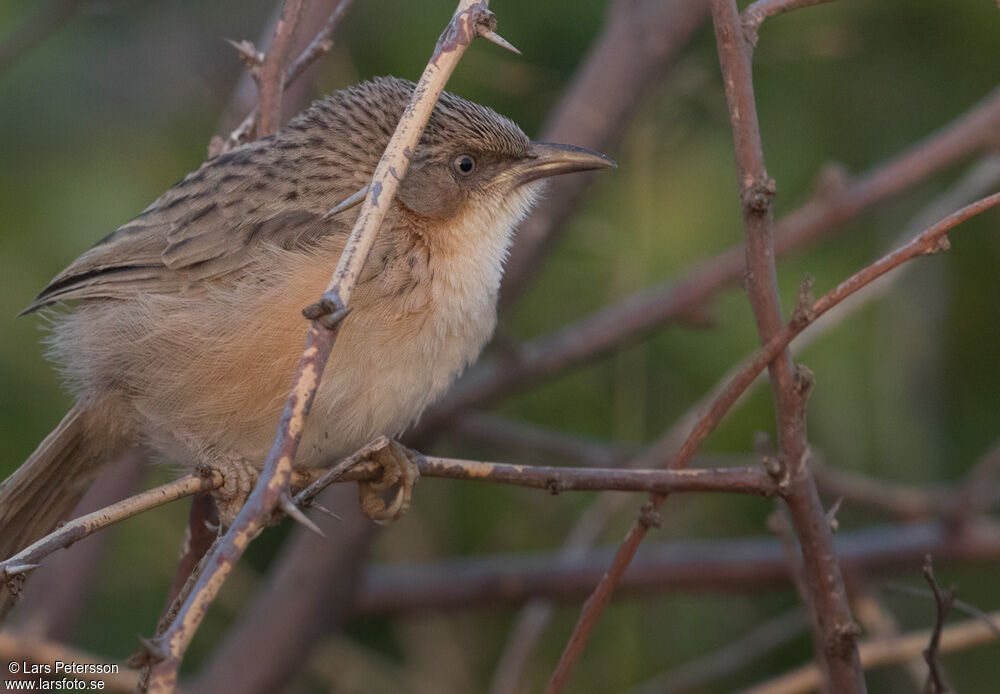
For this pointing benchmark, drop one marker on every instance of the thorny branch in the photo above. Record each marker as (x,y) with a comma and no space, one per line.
(358,468)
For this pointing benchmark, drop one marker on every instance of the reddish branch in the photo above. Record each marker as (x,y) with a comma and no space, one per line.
(321,44)
(839,200)
(271,81)
(790,386)
(803,501)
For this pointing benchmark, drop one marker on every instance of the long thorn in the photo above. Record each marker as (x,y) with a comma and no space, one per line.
(347,203)
(494,37)
(324,509)
(294,512)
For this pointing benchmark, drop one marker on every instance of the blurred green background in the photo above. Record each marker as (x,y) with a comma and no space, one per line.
(121,102)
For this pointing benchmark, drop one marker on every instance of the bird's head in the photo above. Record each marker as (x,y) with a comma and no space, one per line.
(470,159)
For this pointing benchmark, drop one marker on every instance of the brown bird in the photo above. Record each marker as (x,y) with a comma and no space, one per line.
(188,321)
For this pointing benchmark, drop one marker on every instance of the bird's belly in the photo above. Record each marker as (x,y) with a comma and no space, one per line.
(210,375)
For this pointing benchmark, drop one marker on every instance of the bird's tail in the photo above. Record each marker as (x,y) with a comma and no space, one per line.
(44,490)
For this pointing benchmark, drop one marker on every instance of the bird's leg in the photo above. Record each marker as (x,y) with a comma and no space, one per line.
(238,480)
(400,469)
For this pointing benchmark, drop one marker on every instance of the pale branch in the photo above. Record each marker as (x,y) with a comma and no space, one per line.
(471,19)
(878,653)
(737,566)
(836,202)
(271,82)
(79,528)
(18,647)
(754,15)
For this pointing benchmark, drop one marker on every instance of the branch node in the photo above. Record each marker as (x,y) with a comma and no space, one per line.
(8,573)
(831,515)
(150,652)
(842,640)
(758,192)
(248,53)
(649,516)
(804,311)
(328,312)
(804,382)
(942,243)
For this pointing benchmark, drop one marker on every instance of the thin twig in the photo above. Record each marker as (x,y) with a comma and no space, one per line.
(76,530)
(874,654)
(943,601)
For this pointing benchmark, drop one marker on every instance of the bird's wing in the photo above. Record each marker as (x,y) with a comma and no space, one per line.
(186,238)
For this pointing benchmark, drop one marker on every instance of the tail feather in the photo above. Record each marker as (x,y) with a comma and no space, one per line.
(44,490)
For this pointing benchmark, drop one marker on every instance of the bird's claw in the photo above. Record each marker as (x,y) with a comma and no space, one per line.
(400,469)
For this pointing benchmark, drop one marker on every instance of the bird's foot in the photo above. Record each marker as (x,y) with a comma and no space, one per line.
(238,480)
(400,469)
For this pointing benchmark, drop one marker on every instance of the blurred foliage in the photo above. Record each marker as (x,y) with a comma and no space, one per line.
(120,103)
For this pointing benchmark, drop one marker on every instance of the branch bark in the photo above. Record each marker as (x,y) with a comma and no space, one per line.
(790,385)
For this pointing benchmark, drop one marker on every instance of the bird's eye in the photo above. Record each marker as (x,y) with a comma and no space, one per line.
(464,164)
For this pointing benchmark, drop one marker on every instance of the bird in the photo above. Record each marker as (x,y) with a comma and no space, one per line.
(186,324)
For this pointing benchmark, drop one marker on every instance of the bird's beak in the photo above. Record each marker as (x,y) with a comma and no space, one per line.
(547,159)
